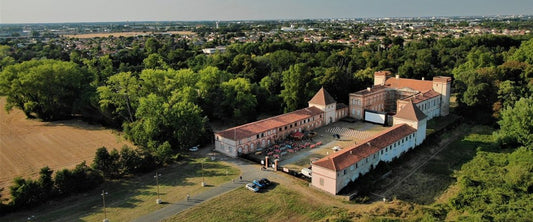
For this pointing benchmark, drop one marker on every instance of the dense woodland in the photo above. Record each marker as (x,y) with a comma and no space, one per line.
(163,93)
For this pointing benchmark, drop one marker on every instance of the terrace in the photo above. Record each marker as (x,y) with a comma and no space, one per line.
(295,154)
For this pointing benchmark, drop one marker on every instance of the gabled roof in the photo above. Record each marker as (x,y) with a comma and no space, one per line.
(421,97)
(373,89)
(411,112)
(418,85)
(254,128)
(349,156)
(322,97)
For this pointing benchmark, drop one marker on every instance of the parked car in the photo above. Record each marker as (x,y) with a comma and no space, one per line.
(193,149)
(258,184)
(265,182)
(306,172)
(252,187)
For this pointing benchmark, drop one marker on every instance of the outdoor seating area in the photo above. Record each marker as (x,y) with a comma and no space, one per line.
(285,147)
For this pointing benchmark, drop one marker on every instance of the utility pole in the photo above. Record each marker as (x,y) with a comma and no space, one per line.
(203,181)
(158,200)
(103,200)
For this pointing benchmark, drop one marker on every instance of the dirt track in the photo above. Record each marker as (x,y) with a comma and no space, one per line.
(28,145)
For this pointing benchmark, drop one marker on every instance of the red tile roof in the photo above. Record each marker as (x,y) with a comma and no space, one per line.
(349,156)
(411,112)
(419,85)
(374,88)
(254,128)
(421,97)
(322,97)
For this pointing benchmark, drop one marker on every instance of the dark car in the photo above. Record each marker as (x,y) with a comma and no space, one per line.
(258,184)
(264,182)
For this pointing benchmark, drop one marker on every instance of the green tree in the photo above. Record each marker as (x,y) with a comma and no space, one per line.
(46,183)
(516,125)
(25,193)
(81,178)
(121,95)
(209,92)
(238,101)
(51,89)
(162,119)
(294,93)
(155,61)
(524,53)
(130,160)
(107,162)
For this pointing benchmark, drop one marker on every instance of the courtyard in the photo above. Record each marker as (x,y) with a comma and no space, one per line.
(297,154)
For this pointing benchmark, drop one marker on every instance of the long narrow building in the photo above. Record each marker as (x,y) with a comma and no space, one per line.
(247,138)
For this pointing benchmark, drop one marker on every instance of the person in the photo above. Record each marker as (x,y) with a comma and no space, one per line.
(188,197)
(240,177)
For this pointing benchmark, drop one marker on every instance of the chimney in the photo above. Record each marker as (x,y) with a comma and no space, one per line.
(369,89)
(397,76)
(423,78)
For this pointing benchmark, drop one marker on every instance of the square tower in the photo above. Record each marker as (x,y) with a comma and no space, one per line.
(380,77)
(443,86)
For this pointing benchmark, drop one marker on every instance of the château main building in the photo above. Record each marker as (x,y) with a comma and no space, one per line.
(406,104)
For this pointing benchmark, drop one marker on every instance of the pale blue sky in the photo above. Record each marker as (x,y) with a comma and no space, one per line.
(44,11)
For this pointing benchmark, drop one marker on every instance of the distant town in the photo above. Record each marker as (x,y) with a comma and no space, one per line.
(210,34)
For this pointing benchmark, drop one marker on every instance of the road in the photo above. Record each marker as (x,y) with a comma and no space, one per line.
(249,172)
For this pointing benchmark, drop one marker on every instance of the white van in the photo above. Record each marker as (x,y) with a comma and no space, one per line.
(306,172)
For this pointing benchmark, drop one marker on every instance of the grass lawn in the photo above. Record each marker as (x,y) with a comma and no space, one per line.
(131,198)
(278,203)
(433,179)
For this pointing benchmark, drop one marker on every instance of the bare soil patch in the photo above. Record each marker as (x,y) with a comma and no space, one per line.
(125,34)
(28,145)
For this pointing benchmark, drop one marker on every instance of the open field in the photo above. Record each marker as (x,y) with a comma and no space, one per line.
(28,145)
(131,198)
(420,173)
(125,34)
(290,200)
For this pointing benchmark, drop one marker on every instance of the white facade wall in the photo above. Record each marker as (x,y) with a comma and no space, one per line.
(356,170)
(396,149)
(324,179)
(421,132)
(430,107)
(226,146)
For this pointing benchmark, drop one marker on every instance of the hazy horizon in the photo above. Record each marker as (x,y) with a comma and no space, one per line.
(77,11)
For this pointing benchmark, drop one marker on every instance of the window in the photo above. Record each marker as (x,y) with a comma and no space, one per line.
(344,172)
(321,181)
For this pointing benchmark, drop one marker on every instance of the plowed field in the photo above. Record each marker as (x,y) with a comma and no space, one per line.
(28,145)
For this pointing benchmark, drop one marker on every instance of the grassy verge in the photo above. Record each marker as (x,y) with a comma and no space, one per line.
(276,204)
(131,198)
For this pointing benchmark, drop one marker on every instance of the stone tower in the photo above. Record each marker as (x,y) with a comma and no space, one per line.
(443,85)
(380,77)
(326,103)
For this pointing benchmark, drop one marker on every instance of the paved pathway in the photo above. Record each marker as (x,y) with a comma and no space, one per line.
(249,172)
